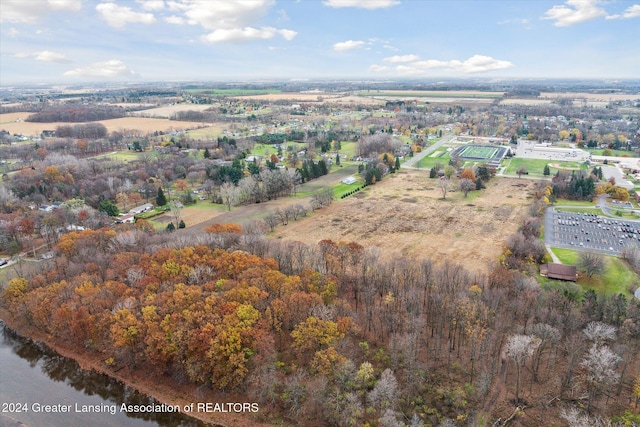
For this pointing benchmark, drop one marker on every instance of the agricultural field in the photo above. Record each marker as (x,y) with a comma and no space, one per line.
(166,111)
(14,123)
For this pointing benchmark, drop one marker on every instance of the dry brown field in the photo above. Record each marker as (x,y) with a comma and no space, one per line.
(404,214)
(9,122)
(603,97)
(167,111)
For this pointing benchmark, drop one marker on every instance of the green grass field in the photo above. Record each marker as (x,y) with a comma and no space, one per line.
(479,152)
(429,162)
(616,278)
(535,167)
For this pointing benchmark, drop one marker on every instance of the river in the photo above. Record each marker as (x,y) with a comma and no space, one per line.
(38,387)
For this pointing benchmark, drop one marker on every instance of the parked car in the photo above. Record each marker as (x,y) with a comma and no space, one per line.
(3,262)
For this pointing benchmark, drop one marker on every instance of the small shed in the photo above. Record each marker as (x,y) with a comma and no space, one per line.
(349,180)
(559,271)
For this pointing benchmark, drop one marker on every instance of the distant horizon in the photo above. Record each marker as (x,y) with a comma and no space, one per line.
(92,41)
(432,81)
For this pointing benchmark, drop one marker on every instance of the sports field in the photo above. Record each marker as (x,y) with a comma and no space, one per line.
(478,152)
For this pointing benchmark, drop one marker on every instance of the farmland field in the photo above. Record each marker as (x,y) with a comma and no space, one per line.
(14,123)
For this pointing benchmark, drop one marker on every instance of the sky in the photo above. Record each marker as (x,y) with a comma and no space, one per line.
(74,41)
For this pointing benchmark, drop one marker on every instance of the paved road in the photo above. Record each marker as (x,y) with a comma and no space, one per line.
(427,151)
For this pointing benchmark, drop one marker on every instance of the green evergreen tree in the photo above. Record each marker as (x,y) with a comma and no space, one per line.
(206,153)
(546,171)
(337,159)
(397,167)
(161,200)
(433,173)
(171,227)
(107,207)
(182,224)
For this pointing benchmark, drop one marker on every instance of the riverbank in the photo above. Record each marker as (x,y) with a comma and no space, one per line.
(161,389)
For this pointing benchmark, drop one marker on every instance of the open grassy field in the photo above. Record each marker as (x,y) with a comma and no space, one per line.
(616,278)
(14,123)
(433,94)
(430,161)
(535,167)
(405,214)
(166,111)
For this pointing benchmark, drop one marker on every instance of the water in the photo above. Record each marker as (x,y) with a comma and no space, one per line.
(32,376)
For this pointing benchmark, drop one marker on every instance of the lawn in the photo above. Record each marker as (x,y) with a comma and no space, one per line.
(566,256)
(575,203)
(429,162)
(615,279)
(535,167)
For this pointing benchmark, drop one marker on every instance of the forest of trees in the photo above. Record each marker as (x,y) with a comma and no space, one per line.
(334,333)
(77,113)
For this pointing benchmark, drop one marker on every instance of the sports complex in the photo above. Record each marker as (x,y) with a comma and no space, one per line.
(491,154)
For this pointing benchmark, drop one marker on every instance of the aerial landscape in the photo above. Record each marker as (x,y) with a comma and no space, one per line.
(319,213)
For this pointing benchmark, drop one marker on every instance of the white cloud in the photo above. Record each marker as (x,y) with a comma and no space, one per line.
(173,19)
(632,12)
(363,4)
(47,56)
(288,34)
(29,12)
(229,21)
(475,64)
(109,69)
(348,45)
(574,12)
(13,33)
(119,16)
(216,15)
(401,58)
(151,4)
(246,34)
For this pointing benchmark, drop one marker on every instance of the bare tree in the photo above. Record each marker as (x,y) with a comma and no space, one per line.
(466,185)
(521,171)
(600,371)
(176,212)
(272,221)
(444,185)
(520,348)
(385,393)
(229,194)
(590,263)
(599,332)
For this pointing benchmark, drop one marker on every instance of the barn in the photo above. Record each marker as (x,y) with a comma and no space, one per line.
(559,271)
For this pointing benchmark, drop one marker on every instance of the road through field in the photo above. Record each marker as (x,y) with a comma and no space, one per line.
(427,151)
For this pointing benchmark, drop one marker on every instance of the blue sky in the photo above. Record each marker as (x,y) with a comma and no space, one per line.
(71,41)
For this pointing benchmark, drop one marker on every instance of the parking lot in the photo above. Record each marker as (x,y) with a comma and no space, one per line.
(589,232)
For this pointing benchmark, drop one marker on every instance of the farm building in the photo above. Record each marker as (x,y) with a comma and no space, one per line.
(126,219)
(559,271)
(142,208)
